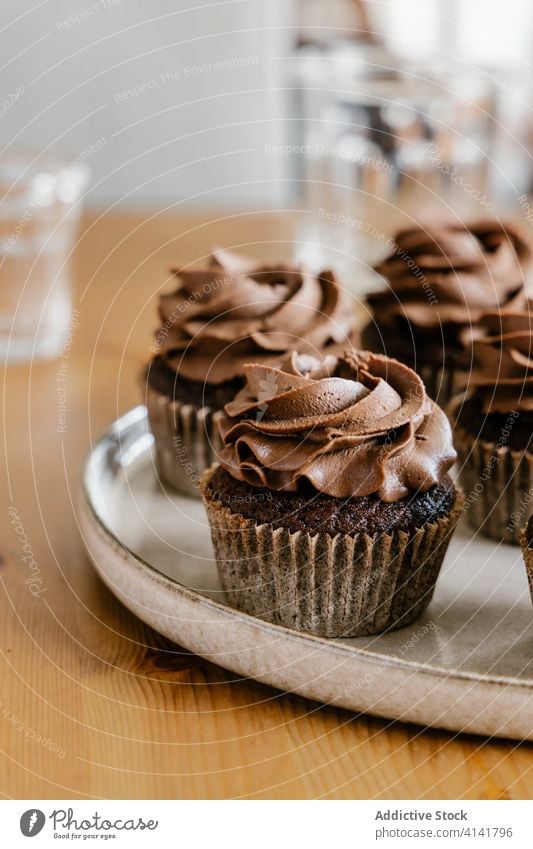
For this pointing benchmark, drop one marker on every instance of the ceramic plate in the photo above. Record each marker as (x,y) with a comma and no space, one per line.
(467,665)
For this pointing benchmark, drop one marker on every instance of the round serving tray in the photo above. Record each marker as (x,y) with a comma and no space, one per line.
(466,665)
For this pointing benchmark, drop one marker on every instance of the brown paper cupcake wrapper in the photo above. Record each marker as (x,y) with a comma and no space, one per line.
(186,439)
(338,586)
(498,486)
(528,559)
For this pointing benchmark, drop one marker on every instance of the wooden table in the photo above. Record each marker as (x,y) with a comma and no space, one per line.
(92,702)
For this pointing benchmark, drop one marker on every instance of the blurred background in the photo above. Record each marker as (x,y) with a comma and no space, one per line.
(365,114)
(175,101)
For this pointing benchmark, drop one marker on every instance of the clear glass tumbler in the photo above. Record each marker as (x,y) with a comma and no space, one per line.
(40,202)
(388,144)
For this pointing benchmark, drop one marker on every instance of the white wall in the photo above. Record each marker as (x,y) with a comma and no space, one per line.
(166,99)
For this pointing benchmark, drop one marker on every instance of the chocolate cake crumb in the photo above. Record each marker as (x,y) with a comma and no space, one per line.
(512,430)
(413,345)
(314,512)
(164,379)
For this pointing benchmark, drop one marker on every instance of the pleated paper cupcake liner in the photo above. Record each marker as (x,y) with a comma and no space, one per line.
(527,551)
(186,440)
(340,586)
(498,486)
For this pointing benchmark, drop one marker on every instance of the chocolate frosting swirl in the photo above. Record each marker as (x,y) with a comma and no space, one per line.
(349,426)
(502,356)
(450,274)
(235,312)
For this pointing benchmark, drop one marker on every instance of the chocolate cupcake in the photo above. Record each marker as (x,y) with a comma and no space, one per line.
(440,280)
(217,320)
(494,424)
(331,508)
(526,541)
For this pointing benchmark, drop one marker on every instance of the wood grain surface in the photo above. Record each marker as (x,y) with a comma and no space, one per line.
(93,704)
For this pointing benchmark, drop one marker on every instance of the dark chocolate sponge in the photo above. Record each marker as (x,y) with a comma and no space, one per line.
(414,346)
(315,512)
(505,429)
(164,379)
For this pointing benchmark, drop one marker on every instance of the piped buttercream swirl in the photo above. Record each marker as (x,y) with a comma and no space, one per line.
(236,312)
(501,349)
(349,426)
(448,275)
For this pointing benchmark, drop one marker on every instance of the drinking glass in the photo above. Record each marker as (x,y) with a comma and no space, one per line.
(40,200)
(387,144)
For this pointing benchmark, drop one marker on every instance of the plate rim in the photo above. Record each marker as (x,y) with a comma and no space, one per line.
(139,413)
